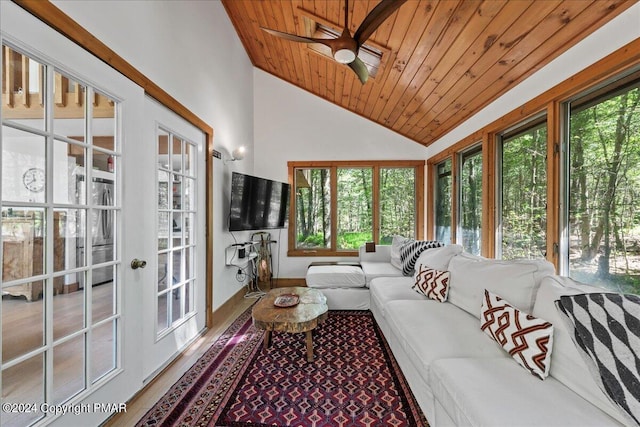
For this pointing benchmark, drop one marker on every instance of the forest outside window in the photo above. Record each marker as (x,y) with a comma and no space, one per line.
(602,182)
(443,196)
(523,199)
(470,221)
(339,206)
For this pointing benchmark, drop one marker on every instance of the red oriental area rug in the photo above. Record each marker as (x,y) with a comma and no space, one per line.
(353,381)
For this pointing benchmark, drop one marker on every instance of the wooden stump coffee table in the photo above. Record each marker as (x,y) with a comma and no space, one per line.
(305,316)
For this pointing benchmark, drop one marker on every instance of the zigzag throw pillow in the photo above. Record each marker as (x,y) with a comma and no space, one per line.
(410,251)
(433,284)
(526,338)
(605,328)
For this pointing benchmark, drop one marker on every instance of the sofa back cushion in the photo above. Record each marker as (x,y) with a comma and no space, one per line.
(396,244)
(438,258)
(381,254)
(516,281)
(567,366)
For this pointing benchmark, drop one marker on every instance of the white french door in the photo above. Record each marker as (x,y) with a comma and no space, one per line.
(174,296)
(74,215)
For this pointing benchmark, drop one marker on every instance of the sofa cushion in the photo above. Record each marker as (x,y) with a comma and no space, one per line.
(567,366)
(410,251)
(379,269)
(438,258)
(515,281)
(428,330)
(386,289)
(526,338)
(396,244)
(497,392)
(335,276)
(433,284)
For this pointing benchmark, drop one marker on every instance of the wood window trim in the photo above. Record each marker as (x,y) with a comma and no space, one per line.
(62,23)
(419,166)
(549,102)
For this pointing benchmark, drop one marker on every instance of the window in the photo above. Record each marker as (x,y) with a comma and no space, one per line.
(560,183)
(338,206)
(313,208)
(523,195)
(354,207)
(443,183)
(603,183)
(397,203)
(470,221)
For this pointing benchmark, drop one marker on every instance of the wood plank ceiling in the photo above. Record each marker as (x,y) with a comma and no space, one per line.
(441,61)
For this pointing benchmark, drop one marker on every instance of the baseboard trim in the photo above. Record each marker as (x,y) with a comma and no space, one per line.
(222,313)
(289,282)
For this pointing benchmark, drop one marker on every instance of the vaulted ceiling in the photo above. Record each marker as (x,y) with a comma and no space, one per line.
(441,61)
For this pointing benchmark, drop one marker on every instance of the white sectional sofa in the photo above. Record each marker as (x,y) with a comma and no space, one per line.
(346,284)
(460,375)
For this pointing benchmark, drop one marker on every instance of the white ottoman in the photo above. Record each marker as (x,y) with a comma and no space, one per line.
(343,284)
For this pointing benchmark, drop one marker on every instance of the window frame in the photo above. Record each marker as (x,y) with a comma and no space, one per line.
(501,138)
(600,77)
(594,95)
(333,166)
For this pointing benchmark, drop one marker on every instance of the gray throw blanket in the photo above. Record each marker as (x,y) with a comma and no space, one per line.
(606,331)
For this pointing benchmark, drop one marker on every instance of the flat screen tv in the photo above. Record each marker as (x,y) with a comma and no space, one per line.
(257,203)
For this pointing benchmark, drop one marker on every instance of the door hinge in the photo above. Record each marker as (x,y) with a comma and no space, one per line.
(556,248)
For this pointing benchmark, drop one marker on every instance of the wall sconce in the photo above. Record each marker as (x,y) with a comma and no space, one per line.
(237,154)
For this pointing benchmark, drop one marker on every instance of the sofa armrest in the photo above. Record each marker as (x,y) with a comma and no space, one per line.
(382,254)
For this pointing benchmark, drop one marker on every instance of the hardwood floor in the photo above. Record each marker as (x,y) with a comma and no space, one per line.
(23,331)
(148,396)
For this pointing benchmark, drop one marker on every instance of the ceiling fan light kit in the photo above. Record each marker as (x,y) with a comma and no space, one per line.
(344,56)
(345,48)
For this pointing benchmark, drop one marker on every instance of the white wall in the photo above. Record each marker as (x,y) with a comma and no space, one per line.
(291,124)
(191,50)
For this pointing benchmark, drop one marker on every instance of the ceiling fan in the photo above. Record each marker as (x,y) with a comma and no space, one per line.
(345,48)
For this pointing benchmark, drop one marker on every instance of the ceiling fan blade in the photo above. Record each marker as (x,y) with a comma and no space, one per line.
(327,42)
(375,18)
(360,69)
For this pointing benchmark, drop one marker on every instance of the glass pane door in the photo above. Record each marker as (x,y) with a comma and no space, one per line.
(60,221)
(176,180)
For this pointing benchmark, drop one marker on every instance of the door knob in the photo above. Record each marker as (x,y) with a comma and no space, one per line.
(138,263)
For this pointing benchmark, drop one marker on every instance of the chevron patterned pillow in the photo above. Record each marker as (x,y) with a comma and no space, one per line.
(433,284)
(411,250)
(605,329)
(526,338)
